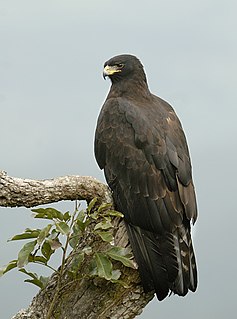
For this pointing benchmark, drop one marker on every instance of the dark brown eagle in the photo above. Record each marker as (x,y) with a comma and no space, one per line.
(140,144)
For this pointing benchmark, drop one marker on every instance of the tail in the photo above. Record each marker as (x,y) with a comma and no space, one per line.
(166,263)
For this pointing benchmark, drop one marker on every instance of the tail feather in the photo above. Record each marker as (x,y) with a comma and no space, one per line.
(147,253)
(187,271)
(165,262)
(193,269)
(181,283)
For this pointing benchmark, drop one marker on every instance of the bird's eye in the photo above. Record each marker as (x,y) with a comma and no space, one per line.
(120,65)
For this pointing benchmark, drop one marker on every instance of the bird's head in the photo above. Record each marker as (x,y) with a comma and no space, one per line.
(123,66)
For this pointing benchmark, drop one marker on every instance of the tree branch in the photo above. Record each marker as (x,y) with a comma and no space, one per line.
(16,192)
(84,298)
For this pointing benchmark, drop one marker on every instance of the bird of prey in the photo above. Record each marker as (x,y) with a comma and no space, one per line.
(140,144)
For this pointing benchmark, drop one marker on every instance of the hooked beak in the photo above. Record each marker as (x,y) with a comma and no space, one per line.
(110,70)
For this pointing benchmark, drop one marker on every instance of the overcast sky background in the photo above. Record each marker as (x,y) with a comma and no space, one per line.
(51,90)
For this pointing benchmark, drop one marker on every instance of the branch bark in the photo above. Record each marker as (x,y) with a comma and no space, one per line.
(86,298)
(16,192)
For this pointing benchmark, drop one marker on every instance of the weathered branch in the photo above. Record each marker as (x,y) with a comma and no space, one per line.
(85,298)
(16,192)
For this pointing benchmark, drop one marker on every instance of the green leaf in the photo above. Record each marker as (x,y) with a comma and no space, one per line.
(44,280)
(24,253)
(43,234)
(123,255)
(106,224)
(29,233)
(48,213)
(76,262)
(54,243)
(104,266)
(92,204)
(114,213)
(47,250)
(81,216)
(66,216)
(35,282)
(81,222)
(93,271)
(30,274)
(74,241)
(39,282)
(79,226)
(37,259)
(94,215)
(63,228)
(11,265)
(105,235)
(103,207)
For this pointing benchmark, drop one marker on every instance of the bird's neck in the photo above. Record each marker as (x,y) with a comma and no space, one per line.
(130,88)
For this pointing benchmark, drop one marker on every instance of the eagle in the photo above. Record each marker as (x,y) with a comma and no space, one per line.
(141,146)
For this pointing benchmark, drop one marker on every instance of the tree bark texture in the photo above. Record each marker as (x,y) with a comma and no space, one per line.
(16,192)
(85,298)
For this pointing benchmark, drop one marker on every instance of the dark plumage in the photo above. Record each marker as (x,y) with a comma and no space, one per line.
(140,144)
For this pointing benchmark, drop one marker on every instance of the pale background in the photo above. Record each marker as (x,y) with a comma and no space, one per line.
(51,91)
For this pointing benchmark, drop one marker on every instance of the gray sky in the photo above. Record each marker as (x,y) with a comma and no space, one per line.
(51,91)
